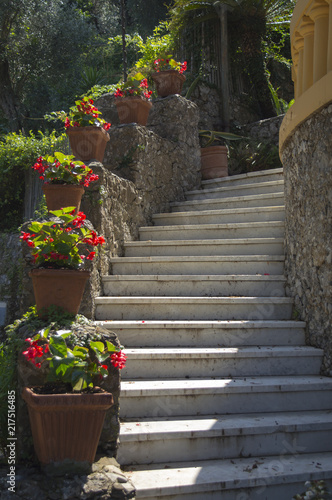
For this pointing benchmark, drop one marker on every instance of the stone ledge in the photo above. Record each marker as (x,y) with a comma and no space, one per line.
(103,481)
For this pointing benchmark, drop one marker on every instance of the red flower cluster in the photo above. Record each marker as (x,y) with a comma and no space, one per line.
(79,219)
(26,237)
(135,90)
(94,240)
(86,107)
(183,67)
(62,244)
(68,172)
(35,351)
(165,64)
(118,359)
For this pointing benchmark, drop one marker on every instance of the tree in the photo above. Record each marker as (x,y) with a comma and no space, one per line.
(250,19)
(44,45)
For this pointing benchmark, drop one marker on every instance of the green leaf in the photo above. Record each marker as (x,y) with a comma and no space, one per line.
(111,347)
(35,227)
(97,346)
(58,346)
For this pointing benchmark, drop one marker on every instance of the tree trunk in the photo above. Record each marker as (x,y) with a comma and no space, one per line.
(124,48)
(8,99)
(222,13)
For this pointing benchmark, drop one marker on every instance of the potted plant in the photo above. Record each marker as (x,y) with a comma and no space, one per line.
(86,130)
(68,411)
(214,161)
(168,75)
(64,180)
(132,100)
(59,248)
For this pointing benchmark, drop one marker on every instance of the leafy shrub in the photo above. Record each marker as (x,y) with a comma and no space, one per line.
(252,156)
(17,154)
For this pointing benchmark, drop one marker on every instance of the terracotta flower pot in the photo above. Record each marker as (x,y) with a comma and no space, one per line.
(214,162)
(63,195)
(133,110)
(88,143)
(66,426)
(59,287)
(168,82)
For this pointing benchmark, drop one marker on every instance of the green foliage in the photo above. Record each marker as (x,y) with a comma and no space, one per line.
(251,156)
(14,343)
(69,363)
(99,90)
(17,154)
(62,244)
(161,42)
(315,490)
(214,136)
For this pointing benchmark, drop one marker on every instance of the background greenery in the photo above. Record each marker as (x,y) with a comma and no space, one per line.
(50,56)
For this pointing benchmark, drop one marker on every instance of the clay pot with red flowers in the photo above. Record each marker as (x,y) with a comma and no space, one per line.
(67,413)
(86,130)
(64,180)
(132,100)
(168,75)
(59,247)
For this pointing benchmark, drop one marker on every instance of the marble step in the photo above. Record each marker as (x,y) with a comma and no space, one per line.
(193,308)
(193,286)
(216,396)
(244,246)
(225,216)
(275,174)
(208,203)
(213,437)
(207,333)
(213,231)
(199,265)
(182,362)
(227,191)
(275,477)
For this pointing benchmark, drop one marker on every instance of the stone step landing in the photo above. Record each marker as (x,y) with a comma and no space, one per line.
(275,477)
(223,436)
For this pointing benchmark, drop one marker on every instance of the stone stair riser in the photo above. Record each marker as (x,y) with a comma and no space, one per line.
(222,446)
(185,218)
(241,190)
(230,403)
(192,288)
(219,367)
(206,337)
(118,308)
(264,491)
(204,203)
(252,200)
(273,246)
(197,267)
(256,230)
(251,178)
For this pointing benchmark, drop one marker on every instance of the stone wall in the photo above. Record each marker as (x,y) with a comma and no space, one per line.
(264,130)
(144,169)
(307,161)
(10,276)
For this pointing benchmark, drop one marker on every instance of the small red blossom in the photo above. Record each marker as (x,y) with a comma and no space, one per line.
(118,359)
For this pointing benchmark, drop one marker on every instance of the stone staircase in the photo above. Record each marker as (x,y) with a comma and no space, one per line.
(221,398)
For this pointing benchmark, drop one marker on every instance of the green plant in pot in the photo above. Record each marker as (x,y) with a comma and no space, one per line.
(59,248)
(214,161)
(86,130)
(64,180)
(67,412)
(132,99)
(168,75)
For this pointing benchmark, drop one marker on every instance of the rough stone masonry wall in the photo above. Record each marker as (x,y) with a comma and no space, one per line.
(144,169)
(307,161)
